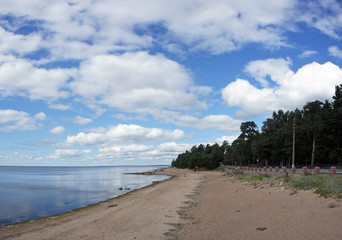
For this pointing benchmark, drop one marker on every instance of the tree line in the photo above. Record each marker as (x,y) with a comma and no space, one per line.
(316,130)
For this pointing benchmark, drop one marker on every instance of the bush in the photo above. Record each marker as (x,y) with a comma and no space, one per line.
(256,177)
(325,186)
(219,169)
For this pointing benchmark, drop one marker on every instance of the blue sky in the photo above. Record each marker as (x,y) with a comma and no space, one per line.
(110,82)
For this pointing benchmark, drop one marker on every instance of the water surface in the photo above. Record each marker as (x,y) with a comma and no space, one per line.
(31,192)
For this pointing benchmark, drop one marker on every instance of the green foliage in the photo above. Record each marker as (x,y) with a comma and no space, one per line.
(318,140)
(208,157)
(324,185)
(219,169)
(255,177)
(240,177)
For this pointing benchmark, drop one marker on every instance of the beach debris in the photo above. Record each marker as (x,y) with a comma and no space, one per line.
(120,188)
(332,205)
(112,205)
(293,192)
(127,188)
(261,228)
(143,173)
(238,210)
(282,188)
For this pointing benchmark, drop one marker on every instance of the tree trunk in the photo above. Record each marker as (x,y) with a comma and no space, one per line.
(313,152)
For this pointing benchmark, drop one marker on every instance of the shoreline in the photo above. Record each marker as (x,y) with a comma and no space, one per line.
(157,172)
(121,211)
(194,205)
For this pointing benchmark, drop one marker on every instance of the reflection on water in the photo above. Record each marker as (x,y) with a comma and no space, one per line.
(32,192)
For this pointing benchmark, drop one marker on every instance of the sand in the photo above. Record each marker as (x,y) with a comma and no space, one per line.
(194,205)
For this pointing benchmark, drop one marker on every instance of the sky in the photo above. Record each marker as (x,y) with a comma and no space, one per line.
(109,82)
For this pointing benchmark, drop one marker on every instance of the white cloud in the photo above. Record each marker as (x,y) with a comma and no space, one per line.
(308,53)
(81,121)
(10,42)
(121,149)
(12,120)
(40,116)
(20,78)
(59,130)
(230,139)
(59,106)
(164,152)
(291,90)
(68,153)
(275,68)
(335,51)
(325,15)
(135,80)
(218,122)
(123,133)
(172,147)
(86,28)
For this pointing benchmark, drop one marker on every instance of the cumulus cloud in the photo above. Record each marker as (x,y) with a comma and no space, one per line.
(86,28)
(325,16)
(164,152)
(172,147)
(68,153)
(11,120)
(20,78)
(275,68)
(335,51)
(132,81)
(230,139)
(120,150)
(81,120)
(290,90)
(40,116)
(124,133)
(218,122)
(10,42)
(59,130)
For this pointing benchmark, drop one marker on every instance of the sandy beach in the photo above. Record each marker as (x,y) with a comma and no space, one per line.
(194,205)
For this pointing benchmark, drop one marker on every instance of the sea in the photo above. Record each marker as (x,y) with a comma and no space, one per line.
(32,192)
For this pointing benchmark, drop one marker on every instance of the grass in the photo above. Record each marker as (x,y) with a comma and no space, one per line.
(324,185)
(251,177)
(254,177)
(220,169)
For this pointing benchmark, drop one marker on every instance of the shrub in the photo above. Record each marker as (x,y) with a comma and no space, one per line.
(219,169)
(256,177)
(323,185)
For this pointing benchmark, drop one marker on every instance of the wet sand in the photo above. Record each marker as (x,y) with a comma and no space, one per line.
(194,205)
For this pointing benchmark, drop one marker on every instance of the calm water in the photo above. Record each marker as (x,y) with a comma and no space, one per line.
(32,192)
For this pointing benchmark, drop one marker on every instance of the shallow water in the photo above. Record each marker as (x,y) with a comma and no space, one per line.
(31,192)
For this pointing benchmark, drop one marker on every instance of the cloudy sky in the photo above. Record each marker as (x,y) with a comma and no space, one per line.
(109,82)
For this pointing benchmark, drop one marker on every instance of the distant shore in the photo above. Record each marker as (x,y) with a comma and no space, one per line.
(194,205)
